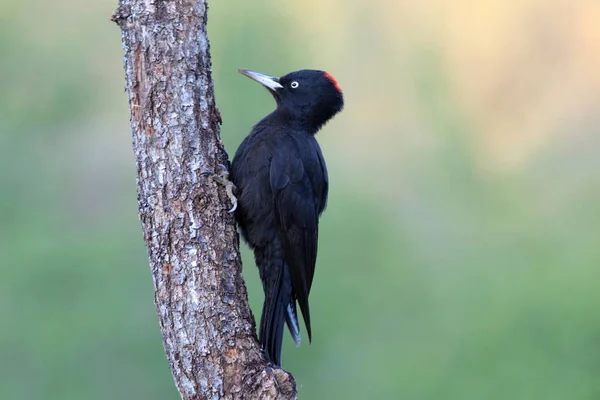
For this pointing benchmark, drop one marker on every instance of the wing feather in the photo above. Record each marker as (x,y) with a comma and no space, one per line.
(297,218)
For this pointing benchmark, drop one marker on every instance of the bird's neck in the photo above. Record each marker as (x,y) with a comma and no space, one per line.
(295,120)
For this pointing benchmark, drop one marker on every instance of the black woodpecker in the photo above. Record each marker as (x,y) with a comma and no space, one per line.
(281,180)
(281,185)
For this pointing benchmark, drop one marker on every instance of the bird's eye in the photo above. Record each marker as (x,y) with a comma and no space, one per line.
(294,85)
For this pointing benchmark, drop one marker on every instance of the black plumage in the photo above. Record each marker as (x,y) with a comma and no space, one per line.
(282,184)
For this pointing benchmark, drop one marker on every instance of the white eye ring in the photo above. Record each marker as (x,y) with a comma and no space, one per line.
(294,85)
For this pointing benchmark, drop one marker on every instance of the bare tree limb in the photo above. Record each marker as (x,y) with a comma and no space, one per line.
(207,326)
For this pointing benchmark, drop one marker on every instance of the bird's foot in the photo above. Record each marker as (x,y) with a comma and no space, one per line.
(222,178)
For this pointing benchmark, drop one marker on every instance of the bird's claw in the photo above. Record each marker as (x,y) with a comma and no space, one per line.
(222,178)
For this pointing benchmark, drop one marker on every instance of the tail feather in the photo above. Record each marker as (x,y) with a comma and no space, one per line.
(291,319)
(279,308)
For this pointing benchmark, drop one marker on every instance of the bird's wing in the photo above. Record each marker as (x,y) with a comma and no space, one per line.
(297,219)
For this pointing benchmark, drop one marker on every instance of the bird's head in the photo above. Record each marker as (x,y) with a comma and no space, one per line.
(307,97)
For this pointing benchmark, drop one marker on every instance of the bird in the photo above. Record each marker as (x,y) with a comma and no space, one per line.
(281,185)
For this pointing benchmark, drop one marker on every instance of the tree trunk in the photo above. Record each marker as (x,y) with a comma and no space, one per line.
(207,327)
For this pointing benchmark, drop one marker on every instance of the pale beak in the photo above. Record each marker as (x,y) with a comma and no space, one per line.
(270,82)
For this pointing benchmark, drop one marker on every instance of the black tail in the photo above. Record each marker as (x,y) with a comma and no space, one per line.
(279,307)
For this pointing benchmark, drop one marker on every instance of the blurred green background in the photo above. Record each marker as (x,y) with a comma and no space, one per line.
(459,256)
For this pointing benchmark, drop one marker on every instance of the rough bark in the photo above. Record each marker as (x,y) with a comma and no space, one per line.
(207,327)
